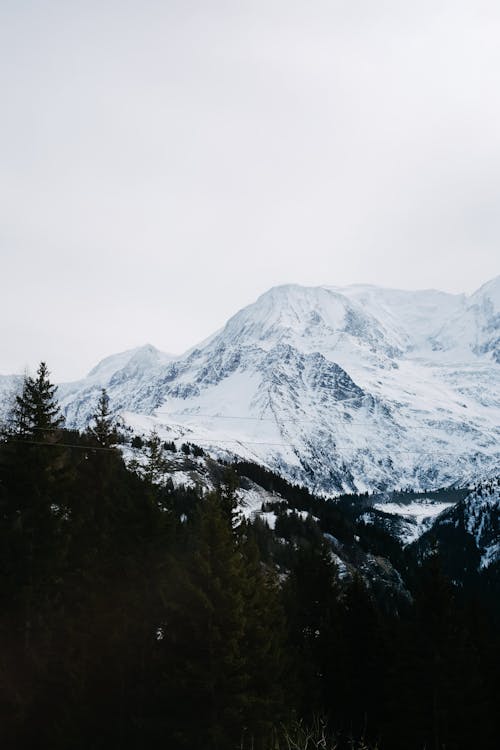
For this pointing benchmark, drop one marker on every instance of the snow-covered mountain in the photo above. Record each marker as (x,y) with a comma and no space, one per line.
(129,377)
(339,388)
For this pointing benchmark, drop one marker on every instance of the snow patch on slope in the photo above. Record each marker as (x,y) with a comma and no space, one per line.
(416,517)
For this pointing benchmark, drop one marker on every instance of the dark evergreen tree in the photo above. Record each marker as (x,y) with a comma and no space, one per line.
(227,495)
(310,596)
(263,646)
(435,680)
(103,427)
(156,464)
(36,412)
(202,633)
(354,663)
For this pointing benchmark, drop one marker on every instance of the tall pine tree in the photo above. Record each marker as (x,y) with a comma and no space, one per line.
(103,428)
(36,412)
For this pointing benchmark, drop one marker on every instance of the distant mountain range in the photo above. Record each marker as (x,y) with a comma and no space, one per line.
(341,389)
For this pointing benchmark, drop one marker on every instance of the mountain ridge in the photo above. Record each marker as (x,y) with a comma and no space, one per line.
(341,389)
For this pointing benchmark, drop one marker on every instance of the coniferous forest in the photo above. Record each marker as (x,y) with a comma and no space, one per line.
(137,615)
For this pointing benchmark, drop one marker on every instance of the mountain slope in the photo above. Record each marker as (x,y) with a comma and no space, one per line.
(468,534)
(340,389)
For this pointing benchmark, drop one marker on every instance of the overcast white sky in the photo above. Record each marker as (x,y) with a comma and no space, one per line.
(163,163)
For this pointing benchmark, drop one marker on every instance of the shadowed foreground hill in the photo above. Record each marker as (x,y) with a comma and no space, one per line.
(138,615)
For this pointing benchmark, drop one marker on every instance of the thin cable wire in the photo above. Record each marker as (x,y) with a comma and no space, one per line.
(215,443)
(296,420)
(239,441)
(243,442)
(292,420)
(62,445)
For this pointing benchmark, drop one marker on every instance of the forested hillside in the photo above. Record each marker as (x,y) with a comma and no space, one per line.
(137,615)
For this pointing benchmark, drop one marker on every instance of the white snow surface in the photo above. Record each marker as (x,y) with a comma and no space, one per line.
(340,389)
(419,511)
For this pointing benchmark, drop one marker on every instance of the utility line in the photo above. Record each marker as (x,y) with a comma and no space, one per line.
(215,442)
(243,442)
(61,445)
(293,420)
(299,420)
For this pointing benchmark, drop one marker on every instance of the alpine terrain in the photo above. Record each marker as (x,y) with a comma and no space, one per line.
(340,389)
(291,532)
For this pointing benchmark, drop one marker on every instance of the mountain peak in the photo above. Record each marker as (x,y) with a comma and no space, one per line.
(291,309)
(147,354)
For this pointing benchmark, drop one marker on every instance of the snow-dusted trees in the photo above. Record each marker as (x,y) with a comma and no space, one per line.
(156,464)
(153,465)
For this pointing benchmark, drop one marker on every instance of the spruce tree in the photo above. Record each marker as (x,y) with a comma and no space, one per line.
(104,428)
(202,636)
(36,411)
(310,597)
(227,495)
(156,464)
(449,664)
(262,645)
